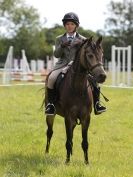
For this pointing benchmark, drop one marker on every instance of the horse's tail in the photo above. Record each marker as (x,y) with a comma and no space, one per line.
(42,105)
(43,102)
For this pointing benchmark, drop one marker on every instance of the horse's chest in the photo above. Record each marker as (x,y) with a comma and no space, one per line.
(80,102)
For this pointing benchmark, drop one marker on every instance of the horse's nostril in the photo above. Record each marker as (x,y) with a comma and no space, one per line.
(102,77)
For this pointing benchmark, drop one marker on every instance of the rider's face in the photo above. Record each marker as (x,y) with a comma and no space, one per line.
(70,27)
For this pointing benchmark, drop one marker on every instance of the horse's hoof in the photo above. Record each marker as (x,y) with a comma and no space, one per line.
(46,151)
(86,162)
(67,161)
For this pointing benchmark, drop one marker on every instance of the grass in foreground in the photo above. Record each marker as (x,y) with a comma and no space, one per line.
(22,137)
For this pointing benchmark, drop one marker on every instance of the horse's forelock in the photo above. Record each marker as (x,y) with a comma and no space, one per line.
(89,43)
(93,45)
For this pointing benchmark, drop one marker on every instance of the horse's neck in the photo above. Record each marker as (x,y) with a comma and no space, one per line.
(78,77)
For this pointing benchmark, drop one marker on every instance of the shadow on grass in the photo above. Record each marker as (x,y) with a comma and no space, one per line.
(20,165)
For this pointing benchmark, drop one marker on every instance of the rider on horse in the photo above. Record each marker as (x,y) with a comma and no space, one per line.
(66,48)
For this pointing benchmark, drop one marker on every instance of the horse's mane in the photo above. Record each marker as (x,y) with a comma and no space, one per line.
(84,41)
(77,55)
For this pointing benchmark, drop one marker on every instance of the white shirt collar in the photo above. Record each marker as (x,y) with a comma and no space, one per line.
(73,36)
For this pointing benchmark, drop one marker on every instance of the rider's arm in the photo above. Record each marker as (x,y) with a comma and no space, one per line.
(58,48)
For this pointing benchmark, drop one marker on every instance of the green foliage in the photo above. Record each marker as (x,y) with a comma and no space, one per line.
(4,47)
(119,26)
(7,6)
(16,15)
(24,30)
(120,22)
(86,33)
(52,33)
(23,137)
(107,43)
(26,17)
(34,44)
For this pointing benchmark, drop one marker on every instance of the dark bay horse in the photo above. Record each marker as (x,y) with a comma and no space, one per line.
(75,94)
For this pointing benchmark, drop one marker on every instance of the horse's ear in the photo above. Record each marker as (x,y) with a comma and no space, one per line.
(85,40)
(99,41)
(90,39)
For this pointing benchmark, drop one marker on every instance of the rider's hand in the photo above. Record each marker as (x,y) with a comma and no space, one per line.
(77,42)
(65,44)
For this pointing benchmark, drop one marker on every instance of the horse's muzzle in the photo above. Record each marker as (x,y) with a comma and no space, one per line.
(101,78)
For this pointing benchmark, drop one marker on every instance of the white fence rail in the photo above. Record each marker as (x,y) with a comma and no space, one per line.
(121,66)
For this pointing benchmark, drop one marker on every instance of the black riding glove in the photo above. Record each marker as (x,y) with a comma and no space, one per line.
(77,42)
(66,44)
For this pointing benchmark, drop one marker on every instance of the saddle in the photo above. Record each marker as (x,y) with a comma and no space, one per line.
(59,80)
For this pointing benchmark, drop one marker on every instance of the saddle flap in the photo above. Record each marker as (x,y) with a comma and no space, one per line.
(59,80)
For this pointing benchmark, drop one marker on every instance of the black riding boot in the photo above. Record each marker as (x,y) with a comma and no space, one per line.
(50,108)
(98,108)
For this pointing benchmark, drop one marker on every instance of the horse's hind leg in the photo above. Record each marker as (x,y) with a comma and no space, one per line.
(85,124)
(70,125)
(49,121)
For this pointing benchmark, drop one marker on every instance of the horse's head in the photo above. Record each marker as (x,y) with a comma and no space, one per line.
(91,58)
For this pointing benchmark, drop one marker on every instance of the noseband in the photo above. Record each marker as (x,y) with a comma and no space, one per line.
(95,66)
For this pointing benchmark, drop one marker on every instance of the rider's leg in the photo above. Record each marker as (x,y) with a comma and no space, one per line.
(98,108)
(50,108)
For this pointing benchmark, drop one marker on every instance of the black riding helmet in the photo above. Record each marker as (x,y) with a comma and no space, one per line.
(71,16)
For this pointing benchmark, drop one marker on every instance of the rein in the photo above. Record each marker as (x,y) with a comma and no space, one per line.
(92,80)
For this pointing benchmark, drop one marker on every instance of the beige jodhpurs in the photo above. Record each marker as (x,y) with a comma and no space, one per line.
(52,77)
(54,74)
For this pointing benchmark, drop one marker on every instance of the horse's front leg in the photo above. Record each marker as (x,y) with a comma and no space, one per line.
(49,121)
(85,125)
(70,125)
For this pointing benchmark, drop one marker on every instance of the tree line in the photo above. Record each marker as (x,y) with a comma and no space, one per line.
(21,27)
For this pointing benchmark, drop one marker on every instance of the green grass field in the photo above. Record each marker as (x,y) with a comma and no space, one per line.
(22,137)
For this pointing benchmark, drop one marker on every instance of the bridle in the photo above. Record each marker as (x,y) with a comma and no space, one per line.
(95,66)
(91,68)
